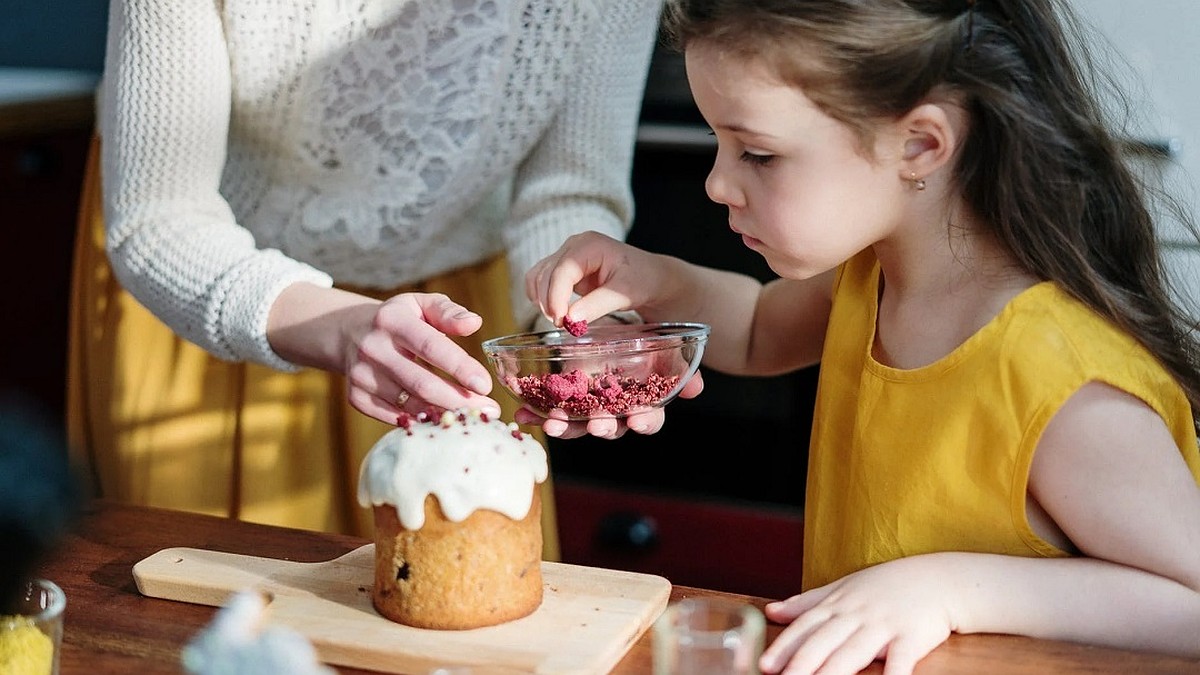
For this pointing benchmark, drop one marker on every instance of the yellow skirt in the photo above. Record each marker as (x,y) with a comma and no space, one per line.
(153,419)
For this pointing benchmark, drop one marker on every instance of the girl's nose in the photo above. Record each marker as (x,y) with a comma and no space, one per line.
(718,186)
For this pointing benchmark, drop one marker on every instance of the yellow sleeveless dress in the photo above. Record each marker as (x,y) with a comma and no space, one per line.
(937,458)
(155,420)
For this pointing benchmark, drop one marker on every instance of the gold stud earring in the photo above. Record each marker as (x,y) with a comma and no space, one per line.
(918,183)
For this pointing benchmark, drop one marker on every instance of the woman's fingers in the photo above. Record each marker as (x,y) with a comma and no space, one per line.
(418,324)
(376,392)
(407,361)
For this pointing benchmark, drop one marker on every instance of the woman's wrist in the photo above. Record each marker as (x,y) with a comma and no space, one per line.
(313,326)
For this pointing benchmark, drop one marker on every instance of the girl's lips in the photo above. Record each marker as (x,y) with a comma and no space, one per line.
(749,241)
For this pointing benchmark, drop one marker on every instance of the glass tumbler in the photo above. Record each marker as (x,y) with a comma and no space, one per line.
(708,636)
(30,639)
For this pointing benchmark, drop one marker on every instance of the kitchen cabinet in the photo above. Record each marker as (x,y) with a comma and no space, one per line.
(46,120)
(730,545)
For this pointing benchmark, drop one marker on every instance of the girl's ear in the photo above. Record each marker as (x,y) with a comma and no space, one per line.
(930,135)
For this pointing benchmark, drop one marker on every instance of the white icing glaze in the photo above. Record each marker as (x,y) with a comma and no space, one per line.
(466,462)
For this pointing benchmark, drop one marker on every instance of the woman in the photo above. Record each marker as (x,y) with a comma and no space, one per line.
(300,202)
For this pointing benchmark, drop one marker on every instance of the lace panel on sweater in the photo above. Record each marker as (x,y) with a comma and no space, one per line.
(404,116)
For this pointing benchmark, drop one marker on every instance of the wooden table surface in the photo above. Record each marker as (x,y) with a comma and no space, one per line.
(112,629)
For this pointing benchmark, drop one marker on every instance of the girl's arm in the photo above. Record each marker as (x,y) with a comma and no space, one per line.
(1112,479)
(1109,474)
(757,329)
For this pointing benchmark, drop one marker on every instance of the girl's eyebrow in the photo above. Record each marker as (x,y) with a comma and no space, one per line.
(741,129)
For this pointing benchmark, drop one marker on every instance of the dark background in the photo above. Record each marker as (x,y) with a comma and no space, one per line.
(53,33)
(42,150)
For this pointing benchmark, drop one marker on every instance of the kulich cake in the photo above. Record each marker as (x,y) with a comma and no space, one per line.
(458,538)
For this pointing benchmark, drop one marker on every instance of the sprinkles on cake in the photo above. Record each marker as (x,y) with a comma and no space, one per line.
(434,417)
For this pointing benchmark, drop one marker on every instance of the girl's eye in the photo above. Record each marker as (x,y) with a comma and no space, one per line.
(757,160)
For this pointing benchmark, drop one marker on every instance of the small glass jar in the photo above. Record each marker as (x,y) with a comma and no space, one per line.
(31,638)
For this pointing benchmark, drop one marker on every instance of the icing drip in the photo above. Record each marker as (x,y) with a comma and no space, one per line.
(465,459)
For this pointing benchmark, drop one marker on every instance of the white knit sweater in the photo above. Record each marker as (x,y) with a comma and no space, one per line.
(251,144)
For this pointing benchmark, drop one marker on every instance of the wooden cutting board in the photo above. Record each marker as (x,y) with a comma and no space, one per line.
(588,620)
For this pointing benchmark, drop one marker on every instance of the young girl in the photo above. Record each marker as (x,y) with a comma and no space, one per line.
(1004,438)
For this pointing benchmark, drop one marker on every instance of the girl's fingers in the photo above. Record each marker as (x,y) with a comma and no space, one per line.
(649,422)
(785,645)
(784,611)
(812,650)
(560,286)
(903,655)
(597,303)
(605,427)
(856,651)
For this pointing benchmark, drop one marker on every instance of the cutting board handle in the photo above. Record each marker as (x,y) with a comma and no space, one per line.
(209,577)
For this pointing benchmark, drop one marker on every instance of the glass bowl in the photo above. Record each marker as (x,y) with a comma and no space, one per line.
(612,370)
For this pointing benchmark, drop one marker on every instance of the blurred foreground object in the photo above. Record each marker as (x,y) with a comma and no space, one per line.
(39,493)
(39,501)
(238,643)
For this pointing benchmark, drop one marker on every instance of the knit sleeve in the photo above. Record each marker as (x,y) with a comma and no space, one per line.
(172,239)
(578,177)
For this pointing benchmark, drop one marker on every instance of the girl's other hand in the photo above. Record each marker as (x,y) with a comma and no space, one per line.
(898,611)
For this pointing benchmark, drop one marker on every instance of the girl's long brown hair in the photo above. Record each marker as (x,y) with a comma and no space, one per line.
(1040,164)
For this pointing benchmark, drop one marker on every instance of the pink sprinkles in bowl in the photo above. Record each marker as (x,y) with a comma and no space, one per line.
(580,395)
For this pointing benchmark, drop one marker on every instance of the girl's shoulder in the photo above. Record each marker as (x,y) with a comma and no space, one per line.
(1051,337)
(1044,318)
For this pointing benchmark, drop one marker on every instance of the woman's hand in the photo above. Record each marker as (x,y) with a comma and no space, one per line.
(396,355)
(898,611)
(392,365)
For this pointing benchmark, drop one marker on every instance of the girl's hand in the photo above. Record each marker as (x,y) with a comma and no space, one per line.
(609,275)
(898,611)
(393,359)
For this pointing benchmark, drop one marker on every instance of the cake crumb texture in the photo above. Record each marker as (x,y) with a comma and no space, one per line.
(447,575)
